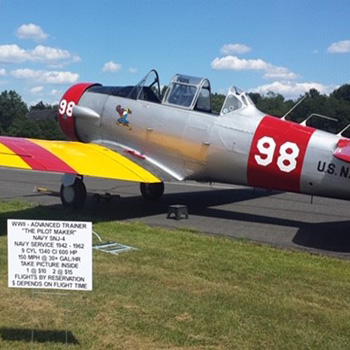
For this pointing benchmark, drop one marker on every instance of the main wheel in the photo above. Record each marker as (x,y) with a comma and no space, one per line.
(152,191)
(73,196)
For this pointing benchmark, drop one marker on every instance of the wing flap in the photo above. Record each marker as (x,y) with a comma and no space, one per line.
(70,157)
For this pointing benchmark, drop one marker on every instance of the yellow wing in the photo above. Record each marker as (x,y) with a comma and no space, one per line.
(70,158)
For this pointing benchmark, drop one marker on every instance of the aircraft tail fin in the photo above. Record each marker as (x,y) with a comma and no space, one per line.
(343,150)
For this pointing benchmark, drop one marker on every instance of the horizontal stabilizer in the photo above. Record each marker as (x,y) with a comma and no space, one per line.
(343,150)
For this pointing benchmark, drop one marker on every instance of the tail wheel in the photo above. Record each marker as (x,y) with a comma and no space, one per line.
(152,191)
(74,196)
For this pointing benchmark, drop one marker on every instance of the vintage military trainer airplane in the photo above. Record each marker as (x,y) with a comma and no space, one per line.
(131,133)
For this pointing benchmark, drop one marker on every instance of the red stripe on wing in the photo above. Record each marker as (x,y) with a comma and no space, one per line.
(35,156)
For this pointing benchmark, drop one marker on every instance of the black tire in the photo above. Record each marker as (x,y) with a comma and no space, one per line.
(73,196)
(152,191)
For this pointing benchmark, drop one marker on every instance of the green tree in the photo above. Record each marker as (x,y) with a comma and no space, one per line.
(46,128)
(255,97)
(13,120)
(273,104)
(217,100)
(328,106)
(12,108)
(342,93)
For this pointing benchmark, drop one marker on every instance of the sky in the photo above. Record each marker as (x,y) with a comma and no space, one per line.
(283,46)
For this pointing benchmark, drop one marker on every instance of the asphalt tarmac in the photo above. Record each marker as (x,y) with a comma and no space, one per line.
(284,220)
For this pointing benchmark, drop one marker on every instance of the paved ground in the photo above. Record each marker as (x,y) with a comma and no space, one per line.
(280,219)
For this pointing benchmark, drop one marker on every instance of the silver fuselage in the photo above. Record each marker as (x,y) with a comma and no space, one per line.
(192,145)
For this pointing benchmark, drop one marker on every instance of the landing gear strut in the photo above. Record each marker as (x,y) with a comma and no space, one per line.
(152,191)
(73,195)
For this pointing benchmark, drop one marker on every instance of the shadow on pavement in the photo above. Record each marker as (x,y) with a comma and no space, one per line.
(326,236)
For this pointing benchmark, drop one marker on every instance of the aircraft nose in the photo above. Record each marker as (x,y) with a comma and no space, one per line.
(66,109)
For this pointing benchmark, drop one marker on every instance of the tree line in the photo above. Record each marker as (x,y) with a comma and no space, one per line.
(13,120)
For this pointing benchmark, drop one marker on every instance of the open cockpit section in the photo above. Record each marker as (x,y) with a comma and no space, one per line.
(184,92)
(148,89)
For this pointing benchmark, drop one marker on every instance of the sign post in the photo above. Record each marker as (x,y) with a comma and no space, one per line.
(50,254)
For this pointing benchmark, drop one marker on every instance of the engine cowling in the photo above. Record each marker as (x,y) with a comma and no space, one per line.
(65,109)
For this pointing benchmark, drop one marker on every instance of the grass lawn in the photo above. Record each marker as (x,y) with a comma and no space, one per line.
(180,290)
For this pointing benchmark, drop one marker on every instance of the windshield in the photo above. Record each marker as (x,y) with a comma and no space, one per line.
(182,94)
(148,89)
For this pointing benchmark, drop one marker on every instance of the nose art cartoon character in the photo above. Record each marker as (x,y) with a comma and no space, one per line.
(123,114)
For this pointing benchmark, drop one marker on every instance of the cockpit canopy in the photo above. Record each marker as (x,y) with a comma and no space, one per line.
(194,93)
(236,99)
(189,92)
(184,91)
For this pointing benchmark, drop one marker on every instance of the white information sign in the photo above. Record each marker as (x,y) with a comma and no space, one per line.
(50,254)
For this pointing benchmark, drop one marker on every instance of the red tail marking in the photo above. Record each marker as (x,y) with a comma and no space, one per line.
(343,150)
